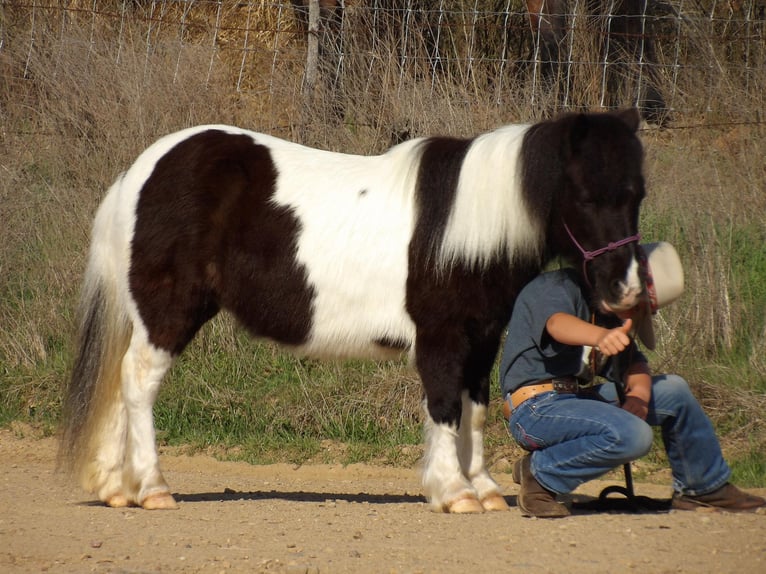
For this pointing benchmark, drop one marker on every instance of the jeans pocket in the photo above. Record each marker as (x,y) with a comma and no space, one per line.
(526,418)
(526,440)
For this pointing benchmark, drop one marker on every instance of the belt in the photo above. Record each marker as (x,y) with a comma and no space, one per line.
(560,385)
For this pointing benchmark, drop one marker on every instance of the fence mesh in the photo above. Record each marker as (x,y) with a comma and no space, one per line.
(693,59)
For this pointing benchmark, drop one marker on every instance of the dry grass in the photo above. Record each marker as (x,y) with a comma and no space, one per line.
(76,107)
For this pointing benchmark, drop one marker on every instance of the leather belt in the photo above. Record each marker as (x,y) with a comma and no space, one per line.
(560,385)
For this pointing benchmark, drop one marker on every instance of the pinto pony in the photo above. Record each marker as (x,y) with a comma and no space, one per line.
(421,250)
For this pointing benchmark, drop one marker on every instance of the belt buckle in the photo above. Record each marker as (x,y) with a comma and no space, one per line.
(564,385)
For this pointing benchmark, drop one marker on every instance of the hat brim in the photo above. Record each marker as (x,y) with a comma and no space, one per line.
(643,325)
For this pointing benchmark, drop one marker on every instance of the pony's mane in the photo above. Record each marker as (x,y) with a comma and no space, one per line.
(476,235)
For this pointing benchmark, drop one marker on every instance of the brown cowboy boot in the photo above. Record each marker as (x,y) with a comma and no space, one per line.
(534,499)
(728,497)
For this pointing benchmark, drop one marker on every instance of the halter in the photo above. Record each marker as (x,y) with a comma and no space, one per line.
(591,255)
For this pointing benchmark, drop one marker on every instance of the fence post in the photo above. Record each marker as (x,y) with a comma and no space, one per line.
(312,64)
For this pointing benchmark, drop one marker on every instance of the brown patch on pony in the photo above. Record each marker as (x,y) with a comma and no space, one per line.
(207,238)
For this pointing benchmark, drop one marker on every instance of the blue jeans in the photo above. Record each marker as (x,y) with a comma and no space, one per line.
(574,438)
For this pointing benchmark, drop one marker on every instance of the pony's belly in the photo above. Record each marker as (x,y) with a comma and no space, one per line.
(340,349)
(371,323)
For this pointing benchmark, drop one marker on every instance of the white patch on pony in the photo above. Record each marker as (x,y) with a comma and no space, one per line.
(489,217)
(143,368)
(471,447)
(630,289)
(443,480)
(471,414)
(356,217)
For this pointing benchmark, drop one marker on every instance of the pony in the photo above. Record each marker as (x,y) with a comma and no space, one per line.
(420,250)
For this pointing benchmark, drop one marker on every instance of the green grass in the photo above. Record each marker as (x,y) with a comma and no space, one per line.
(748,469)
(263,404)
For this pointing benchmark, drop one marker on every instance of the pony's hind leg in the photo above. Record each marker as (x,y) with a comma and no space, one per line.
(102,473)
(143,368)
(471,454)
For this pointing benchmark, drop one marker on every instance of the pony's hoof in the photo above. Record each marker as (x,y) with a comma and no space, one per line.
(495,502)
(159,501)
(117,501)
(465,506)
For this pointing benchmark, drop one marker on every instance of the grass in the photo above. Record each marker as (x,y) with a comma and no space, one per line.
(749,468)
(66,136)
(233,394)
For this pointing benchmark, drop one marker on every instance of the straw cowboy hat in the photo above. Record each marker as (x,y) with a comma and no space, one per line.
(664,284)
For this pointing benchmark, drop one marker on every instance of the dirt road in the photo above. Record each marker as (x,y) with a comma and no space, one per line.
(235,517)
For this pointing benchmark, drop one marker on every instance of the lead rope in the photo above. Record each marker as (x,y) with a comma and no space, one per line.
(627,490)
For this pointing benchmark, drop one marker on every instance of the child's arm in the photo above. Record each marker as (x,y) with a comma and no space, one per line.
(638,389)
(571,330)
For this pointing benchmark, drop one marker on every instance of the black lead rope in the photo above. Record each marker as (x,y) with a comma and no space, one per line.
(627,491)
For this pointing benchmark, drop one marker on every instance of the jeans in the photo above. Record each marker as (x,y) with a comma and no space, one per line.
(576,438)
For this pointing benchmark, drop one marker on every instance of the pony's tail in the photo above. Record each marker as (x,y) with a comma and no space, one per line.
(93,397)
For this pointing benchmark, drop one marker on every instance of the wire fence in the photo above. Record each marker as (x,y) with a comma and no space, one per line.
(675,58)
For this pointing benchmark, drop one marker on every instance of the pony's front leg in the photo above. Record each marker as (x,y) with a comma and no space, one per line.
(143,368)
(446,486)
(471,454)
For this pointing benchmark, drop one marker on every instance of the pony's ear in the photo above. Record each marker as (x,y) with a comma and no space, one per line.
(631,117)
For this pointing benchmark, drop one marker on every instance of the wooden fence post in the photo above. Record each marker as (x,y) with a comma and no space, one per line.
(312,65)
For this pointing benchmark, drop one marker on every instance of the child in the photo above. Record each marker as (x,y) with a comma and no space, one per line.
(558,341)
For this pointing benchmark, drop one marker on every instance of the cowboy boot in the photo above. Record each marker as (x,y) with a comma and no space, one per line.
(728,497)
(534,499)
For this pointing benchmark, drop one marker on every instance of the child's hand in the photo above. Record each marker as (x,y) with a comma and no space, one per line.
(615,340)
(636,406)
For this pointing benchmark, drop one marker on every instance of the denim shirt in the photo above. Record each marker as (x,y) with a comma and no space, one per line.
(530,354)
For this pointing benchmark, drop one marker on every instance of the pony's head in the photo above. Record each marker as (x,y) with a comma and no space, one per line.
(594,215)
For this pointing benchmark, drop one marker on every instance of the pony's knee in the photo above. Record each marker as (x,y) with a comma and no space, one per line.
(143,368)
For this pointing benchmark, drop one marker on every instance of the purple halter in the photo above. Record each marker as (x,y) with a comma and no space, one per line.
(591,255)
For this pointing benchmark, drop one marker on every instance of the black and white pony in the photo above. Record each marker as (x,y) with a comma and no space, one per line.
(421,250)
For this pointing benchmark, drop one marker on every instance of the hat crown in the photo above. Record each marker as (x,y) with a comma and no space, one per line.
(664,284)
(665,274)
